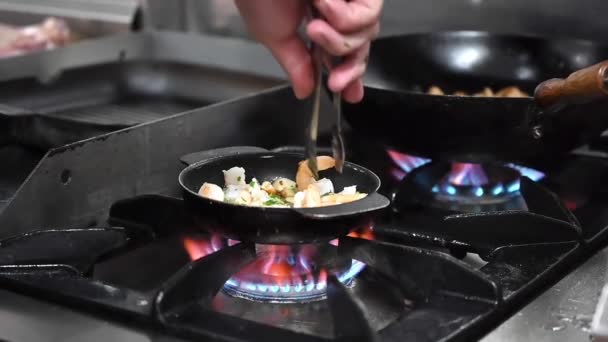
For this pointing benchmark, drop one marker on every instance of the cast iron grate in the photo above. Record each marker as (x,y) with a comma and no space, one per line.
(442,298)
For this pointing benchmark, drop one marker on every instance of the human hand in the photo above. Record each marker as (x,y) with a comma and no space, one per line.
(347,31)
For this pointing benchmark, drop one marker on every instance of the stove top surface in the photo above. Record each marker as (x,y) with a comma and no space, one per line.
(462,248)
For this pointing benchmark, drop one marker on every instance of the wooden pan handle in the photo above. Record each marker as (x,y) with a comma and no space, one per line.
(580,87)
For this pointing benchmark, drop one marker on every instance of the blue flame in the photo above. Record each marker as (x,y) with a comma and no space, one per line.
(355,269)
(534,175)
(450,189)
(408,163)
(307,290)
(261,288)
(513,187)
(499,189)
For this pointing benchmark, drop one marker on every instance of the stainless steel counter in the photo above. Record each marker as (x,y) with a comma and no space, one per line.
(24,319)
(564,312)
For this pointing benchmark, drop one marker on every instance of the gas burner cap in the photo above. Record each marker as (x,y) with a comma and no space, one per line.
(476,187)
(475,183)
(302,289)
(283,273)
(463,187)
(290,274)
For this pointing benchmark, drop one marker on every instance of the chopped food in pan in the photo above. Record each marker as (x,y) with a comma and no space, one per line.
(486,92)
(304,192)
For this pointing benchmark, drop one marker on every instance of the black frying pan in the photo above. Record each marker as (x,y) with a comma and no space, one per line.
(276,225)
(397,110)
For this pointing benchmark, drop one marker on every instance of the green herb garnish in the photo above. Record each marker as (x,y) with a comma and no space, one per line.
(252,184)
(275,200)
(238,179)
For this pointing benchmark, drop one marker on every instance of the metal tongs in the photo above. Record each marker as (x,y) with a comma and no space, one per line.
(338,149)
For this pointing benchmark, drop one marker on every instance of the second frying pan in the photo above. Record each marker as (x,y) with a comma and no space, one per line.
(397,110)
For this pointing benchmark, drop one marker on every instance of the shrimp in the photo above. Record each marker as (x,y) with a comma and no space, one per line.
(308,198)
(304,176)
(266,186)
(212,191)
(245,198)
(486,92)
(286,187)
(511,92)
(434,90)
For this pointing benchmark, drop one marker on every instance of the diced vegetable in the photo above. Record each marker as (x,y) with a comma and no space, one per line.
(282,192)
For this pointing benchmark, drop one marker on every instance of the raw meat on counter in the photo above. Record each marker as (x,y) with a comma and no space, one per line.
(49,34)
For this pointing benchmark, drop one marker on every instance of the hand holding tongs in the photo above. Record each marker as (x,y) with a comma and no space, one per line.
(338,148)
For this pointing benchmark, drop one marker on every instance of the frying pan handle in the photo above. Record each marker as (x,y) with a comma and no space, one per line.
(370,203)
(195,157)
(580,87)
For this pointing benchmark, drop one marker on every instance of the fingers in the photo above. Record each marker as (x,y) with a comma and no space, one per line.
(295,59)
(346,30)
(280,35)
(345,77)
(353,92)
(350,16)
(337,43)
(350,71)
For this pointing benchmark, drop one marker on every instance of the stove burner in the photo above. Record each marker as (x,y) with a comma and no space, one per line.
(406,163)
(287,274)
(474,183)
(472,187)
(283,273)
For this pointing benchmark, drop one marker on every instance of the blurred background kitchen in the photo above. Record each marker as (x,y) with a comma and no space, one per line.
(581,19)
(192,53)
(71,70)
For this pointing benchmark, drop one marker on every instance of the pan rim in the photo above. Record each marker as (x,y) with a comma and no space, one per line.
(189,168)
(477,99)
(482,33)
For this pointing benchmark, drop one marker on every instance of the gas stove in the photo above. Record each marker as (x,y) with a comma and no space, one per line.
(462,247)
